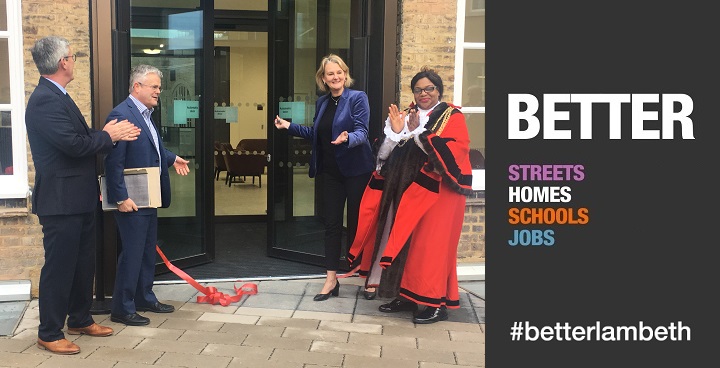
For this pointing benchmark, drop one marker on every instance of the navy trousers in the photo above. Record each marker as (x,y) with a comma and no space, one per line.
(66,278)
(136,261)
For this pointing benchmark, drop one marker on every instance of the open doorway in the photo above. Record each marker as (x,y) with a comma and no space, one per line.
(240,138)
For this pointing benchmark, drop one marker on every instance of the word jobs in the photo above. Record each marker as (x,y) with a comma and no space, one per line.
(550,115)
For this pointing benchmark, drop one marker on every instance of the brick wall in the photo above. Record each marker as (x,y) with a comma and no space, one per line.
(21,250)
(426,36)
(471,247)
(432,44)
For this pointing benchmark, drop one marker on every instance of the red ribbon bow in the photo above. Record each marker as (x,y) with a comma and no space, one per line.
(212,295)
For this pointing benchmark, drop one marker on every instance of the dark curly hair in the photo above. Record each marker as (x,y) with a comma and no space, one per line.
(427,72)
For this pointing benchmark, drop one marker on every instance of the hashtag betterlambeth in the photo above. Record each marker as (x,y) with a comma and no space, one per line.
(524,331)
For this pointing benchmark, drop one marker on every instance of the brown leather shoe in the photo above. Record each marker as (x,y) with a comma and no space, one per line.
(62,346)
(92,330)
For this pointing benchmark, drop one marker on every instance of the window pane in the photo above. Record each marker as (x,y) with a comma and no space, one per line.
(3,15)
(475,21)
(476,130)
(4,72)
(170,38)
(241,5)
(474,78)
(340,27)
(6,156)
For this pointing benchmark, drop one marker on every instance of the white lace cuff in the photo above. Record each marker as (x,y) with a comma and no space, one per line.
(396,137)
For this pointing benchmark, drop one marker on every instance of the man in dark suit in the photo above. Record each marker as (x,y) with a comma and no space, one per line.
(138,226)
(65,196)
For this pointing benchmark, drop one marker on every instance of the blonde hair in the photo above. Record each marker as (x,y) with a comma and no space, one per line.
(332,58)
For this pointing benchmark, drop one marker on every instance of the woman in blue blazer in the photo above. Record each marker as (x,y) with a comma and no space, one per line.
(341,157)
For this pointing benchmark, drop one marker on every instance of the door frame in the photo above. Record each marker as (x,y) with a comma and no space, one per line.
(370,45)
(110,39)
(242,21)
(110,23)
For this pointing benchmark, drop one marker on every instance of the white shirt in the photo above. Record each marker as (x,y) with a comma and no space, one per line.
(392,138)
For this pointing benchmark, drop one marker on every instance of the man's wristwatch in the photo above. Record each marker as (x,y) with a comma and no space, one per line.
(119,202)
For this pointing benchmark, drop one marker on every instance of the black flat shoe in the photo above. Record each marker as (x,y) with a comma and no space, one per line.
(157,308)
(370,295)
(398,305)
(130,319)
(335,292)
(431,315)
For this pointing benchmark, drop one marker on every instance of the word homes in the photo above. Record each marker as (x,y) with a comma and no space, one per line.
(673,109)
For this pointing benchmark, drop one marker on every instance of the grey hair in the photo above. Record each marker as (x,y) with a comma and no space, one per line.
(140,72)
(47,52)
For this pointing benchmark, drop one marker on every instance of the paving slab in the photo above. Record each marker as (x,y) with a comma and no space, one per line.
(10,314)
(279,327)
(282,287)
(315,335)
(354,361)
(229,318)
(213,337)
(275,301)
(21,359)
(476,288)
(194,361)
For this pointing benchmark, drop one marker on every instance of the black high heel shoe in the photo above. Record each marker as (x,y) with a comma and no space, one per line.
(335,292)
(370,295)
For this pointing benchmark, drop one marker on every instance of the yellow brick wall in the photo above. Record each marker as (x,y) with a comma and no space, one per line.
(432,44)
(427,38)
(471,247)
(21,250)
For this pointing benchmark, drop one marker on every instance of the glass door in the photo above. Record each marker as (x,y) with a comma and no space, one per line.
(240,122)
(303,32)
(171,39)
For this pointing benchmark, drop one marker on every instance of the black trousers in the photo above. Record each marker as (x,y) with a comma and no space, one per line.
(336,190)
(66,278)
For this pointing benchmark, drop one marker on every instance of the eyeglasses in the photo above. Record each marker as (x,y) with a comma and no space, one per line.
(427,89)
(152,87)
(73,56)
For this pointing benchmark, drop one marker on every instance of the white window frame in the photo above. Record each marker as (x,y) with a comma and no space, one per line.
(460,47)
(15,185)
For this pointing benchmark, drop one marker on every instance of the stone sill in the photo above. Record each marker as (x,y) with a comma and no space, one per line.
(14,212)
(471,271)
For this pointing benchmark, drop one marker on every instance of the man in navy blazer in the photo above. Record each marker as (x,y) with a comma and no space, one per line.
(138,226)
(65,195)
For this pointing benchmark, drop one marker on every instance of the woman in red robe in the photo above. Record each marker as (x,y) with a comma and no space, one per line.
(412,211)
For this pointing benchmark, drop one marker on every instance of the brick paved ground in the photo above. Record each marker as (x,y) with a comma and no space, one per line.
(281,326)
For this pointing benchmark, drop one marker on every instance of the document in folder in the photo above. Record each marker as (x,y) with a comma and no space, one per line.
(143,186)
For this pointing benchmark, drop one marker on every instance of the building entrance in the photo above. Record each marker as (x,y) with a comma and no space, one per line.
(228,68)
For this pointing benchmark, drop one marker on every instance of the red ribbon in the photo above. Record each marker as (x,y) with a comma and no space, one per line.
(350,273)
(212,295)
